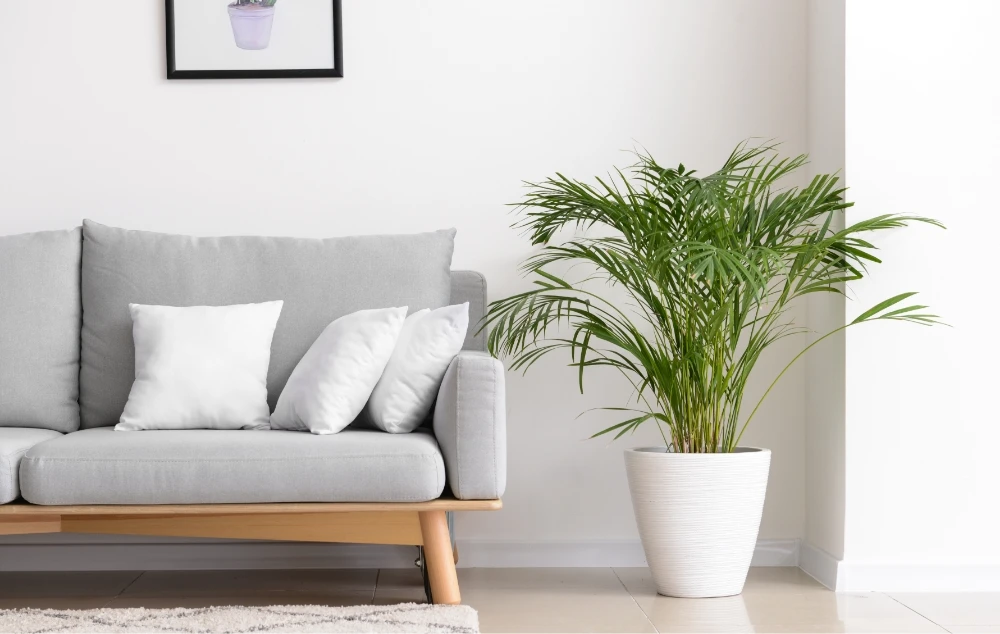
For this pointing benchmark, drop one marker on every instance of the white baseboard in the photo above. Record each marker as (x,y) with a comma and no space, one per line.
(103,552)
(621,553)
(819,564)
(223,555)
(121,553)
(848,576)
(547,554)
(776,552)
(881,577)
(202,556)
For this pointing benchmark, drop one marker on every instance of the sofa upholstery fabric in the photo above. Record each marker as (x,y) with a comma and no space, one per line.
(102,466)
(470,286)
(471,426)
(14,442)
(40,330)
(319,281)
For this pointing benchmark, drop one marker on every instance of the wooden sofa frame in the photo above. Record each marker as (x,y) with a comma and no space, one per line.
(423,524)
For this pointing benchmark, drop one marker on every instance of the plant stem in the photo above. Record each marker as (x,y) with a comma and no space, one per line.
(782,373)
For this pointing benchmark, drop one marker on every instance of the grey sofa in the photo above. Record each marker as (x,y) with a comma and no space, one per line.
(67,363)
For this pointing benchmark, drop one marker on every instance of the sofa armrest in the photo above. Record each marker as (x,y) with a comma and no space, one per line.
(470,423)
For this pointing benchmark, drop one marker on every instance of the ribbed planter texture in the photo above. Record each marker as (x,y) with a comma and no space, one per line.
(698,516)
(251,25)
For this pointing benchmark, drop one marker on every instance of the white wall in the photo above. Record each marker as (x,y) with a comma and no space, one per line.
(446,107)
(922,422)
(823,543)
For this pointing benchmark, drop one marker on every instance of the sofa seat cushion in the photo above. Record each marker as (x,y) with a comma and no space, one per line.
(14,442)
(103,466)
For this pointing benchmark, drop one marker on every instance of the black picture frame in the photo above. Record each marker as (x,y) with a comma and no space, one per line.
(336,71)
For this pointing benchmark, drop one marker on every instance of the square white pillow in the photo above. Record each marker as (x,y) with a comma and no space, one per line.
(200,367)
(427,345)
(331,384)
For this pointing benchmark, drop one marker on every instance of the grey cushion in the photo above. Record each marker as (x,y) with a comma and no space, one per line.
(13,443)
(40,330)
(470,286)
(319,281)
(470,424)
(103,466)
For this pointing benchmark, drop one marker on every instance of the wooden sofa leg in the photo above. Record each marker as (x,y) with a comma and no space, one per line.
(439,558)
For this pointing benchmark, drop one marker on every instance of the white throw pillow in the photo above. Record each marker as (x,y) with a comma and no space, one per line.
(331,384)
(429,341)
(200,367)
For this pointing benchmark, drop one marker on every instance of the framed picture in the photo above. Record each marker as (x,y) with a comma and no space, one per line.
(245,39)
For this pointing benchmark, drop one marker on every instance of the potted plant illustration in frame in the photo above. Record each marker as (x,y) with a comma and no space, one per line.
(239,39)
(252,21)
(704,271)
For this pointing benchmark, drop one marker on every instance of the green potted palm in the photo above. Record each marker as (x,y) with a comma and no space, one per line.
(709,267)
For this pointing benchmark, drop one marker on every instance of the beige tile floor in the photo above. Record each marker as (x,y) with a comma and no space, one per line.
(529,599)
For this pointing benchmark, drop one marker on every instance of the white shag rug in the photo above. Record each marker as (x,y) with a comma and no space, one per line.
(406,617)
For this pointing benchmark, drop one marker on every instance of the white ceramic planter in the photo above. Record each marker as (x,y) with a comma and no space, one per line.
(698,516)
(251,25)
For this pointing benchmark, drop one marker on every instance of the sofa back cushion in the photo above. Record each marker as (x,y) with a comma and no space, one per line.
(318,280)
(40,330)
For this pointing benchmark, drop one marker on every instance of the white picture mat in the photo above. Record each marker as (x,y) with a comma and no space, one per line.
(301,37)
